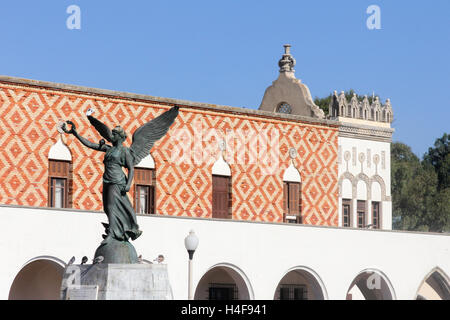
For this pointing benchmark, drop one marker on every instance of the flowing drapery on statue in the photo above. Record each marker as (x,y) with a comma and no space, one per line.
(122,224)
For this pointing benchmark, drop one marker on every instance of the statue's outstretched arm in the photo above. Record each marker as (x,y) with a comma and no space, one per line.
(101,146)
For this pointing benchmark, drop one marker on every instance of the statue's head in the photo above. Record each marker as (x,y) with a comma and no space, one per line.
(119,132)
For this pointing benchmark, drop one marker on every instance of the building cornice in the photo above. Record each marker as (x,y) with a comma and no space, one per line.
(365,132)
(166,101)
(163,216)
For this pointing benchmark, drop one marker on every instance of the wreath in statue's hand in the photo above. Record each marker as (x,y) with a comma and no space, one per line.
(72,129)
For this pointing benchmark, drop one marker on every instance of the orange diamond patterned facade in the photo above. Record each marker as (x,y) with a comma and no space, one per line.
(30,112)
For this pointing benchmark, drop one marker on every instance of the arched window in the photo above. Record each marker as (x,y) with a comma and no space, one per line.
(221,190)
(361,204)
(292,200)
(300,284)
(60,176)
(145,186)
(377,195)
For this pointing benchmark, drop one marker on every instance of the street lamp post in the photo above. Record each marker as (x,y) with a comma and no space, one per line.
(191,243)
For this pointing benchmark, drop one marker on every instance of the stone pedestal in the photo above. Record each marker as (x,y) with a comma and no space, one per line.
(117,252)
(116,282)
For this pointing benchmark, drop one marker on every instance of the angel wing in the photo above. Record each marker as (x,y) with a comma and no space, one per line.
(145,137)
(104,131)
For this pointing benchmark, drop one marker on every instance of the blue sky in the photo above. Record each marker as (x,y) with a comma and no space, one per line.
(226,52)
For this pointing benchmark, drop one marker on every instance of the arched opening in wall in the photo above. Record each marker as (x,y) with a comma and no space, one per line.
(222,198)
(300,284)
(38,280)
(223,283)
(144,191)
(370,285)
(376,205)
(346,210)
(435,286)
(145,186)
(60,176)
(292,195)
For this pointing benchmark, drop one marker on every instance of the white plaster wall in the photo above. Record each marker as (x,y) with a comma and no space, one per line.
(263,251)
(386,219)
(376,191)
(346,189)
(355,167)
(361,190)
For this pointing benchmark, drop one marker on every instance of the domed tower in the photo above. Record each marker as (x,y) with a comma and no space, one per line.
(287,94)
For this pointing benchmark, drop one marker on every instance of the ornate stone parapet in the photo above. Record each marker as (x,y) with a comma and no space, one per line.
(361,110)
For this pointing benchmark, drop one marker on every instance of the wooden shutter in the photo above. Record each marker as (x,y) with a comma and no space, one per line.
(294,191)
(361,213)
(220,201)
(361,206)
(376,215)
(58,169)
(285,198)
(299,193)
(136,199)
(143,176)
(151,200)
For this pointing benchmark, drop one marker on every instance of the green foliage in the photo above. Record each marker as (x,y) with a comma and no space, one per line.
(439,158)
(324,103)
(420,191)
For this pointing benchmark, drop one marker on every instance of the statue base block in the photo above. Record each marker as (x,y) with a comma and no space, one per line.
(116,282)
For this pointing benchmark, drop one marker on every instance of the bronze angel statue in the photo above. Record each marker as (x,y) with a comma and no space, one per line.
(122,223)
